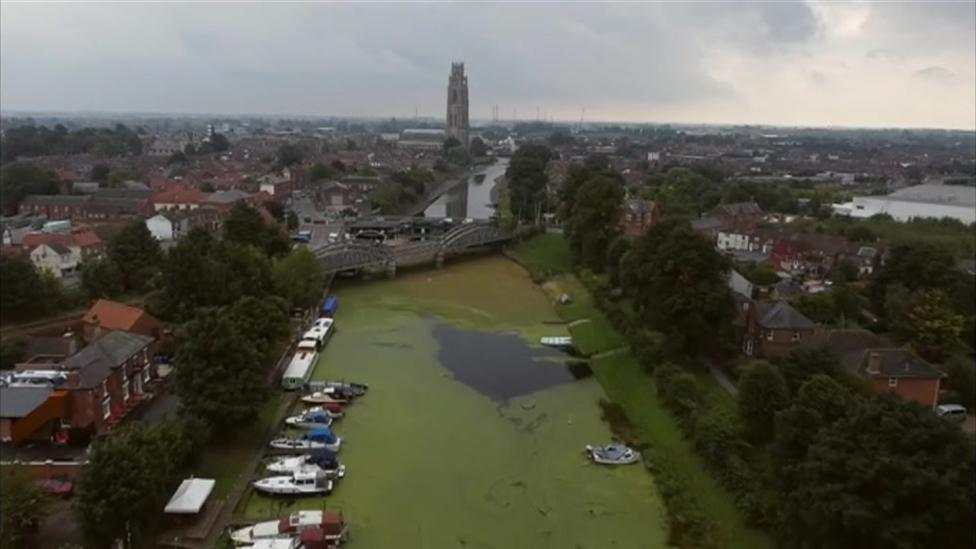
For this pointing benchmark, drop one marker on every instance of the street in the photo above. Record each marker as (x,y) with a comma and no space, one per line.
(318,222)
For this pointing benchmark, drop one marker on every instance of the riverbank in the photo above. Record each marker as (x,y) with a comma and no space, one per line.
(471,434)
(701,513)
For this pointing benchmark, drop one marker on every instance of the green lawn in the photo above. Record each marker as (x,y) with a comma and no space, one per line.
(544,255)
(592,332)
(627,385)
(225,457)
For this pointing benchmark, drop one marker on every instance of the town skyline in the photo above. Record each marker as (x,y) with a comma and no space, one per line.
(800,65)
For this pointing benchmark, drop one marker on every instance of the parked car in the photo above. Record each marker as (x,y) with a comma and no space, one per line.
(57,487)
(954,412)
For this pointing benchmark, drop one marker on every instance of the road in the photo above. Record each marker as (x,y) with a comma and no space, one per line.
(320,223)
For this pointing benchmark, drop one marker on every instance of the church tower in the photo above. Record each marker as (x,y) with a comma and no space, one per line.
(457,104)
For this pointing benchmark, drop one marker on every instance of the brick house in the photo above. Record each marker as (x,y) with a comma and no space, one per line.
(885,367)
(740,215)
(106,315)
(774,329)
(83,395)
(335,193)
(638,216)
(105,204)
(179,199)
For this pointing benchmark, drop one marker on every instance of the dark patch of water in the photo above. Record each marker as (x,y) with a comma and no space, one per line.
(499,366)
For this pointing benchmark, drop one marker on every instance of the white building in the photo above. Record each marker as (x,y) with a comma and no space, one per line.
(168,225)
(57,259)
(930,200)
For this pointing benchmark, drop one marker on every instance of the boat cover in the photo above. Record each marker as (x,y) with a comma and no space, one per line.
(323,435)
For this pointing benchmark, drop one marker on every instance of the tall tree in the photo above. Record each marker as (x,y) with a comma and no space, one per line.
(22,506)
(23,293)
(136,253)
(678,282)
(219,375)
(915,266)
(762,393)
(128,477)
(596,220)
(298,277)
(20,179)
(888,473)
(99,172)
(962,379)
(924,320)
(567,195)
(289,154)
(244,225)
(261,320)
(478,148)
(618,248)
(527,179)
(102,278)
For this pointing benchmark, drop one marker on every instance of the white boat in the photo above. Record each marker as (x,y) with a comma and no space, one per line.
(323,460)
(283,543)
(324,396)
(612,454)
(296,484)
(347,389)
(313,418)
(316,439)
(283,528)
(557,341)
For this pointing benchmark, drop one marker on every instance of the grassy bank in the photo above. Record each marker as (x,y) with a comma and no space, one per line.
(701,513)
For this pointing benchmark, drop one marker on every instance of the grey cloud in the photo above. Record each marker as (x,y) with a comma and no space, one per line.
(935,73)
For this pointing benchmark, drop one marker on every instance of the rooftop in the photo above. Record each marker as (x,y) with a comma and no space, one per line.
(936,193)
(781,315)
(113,315)
(95,362)
(17,402)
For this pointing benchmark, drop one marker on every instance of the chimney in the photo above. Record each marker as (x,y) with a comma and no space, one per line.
(874,363)
(72,342)
(94,329)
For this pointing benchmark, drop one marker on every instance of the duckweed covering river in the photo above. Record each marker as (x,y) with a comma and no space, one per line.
(441,453)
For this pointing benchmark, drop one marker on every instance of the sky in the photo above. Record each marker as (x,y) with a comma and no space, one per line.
(814,63)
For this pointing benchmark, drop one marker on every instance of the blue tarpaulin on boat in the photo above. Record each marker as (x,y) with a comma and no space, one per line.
(330,306)
(324,435)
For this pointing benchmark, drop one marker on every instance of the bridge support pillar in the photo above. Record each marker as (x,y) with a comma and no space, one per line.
(391,269)
(439,260)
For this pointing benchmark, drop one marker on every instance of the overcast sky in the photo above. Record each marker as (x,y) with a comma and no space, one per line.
(813,63)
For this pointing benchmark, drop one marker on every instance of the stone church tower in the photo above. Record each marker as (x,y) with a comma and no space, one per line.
(457,104)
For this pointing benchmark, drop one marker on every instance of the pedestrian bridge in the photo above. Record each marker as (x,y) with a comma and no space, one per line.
(350,255)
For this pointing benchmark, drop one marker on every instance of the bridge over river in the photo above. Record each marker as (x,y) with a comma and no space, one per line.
(353,255)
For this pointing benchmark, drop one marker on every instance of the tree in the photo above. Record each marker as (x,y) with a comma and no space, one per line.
(298,277)
(321,172)
(276,210)
(678,282)
(387,197)
(338,165)
(244,225)
(567,195)
(129,476)
(22,506)
(261,320)
(925,320)
(12,351)
(597,162)
(219,375)
(291,220)
(915,266)
(819,308)
(178,157)
(762,393)
(879,472)
(962,379)
(219,142)
(99,172)
(23,293)
(527,179)
(615,252)
(596,220)
(478,148)
(685,192)
(449,144)
(136,253)
(102,278)
(288,155)
(19,179)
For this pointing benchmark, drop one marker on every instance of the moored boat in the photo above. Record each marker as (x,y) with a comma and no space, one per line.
(316,439)
(283,543)
(321,459)
(612,454)
(296,484)
(557,341)
(285,527)
(349,389)
(325,396)
(313,418)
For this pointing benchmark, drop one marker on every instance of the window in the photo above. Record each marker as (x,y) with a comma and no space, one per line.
(769,335)
(892,382)
(125,389)
(106,407)
(796,335)
(104,387)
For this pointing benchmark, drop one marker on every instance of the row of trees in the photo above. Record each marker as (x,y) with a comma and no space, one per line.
(27,141)
(19,179)
(405,187)
(527,180)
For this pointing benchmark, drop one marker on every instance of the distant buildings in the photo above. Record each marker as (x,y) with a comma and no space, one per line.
(422,139)
(638,216)
(923,201)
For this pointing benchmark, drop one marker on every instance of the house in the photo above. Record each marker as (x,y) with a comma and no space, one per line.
(867,259)
(83,395)
(55,206)
(277,185)
(102,204)
(742,215)
(106,315)
(362,184)
(335,193)
(225,199)
(55,258)
(638,216)
(84,243)
(774,329)
(169,225)
(885,367)
(178,199)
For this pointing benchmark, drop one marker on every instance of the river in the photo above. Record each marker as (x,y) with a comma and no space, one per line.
(471,435)
(473,198)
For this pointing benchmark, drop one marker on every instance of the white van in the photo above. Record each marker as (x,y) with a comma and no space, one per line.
(954,412)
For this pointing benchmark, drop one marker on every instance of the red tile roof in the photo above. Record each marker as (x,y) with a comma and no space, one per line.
(113,315)
(180,196)
(82,239)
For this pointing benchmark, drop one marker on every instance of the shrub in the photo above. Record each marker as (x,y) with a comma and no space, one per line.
(679,393)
